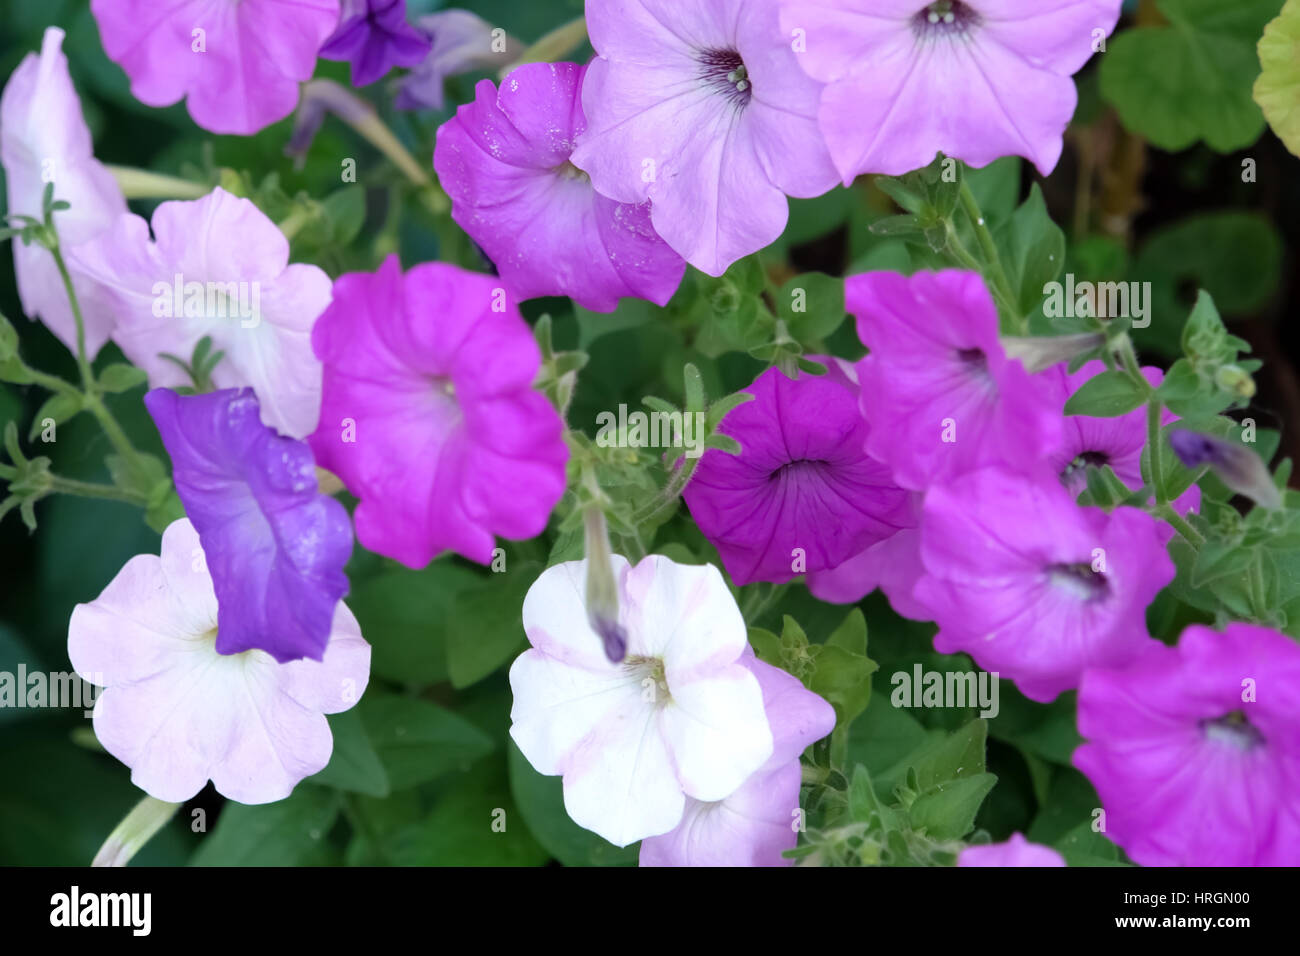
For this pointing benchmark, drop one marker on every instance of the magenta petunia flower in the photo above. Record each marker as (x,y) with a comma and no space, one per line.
(802,496)
(1195,750)
(893,566)
(974,79)
(758,822)
(44,139)
(179,712)
(1017,851)
(1031,585)
(462,42)
(702,109)
(239,64)
(504,161)
(275,545)
(429,415)
(374,37)
(1117,442)
(939,394)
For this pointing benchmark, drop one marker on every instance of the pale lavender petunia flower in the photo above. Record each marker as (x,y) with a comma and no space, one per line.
(1017,851)
(275,545)
(1195,750)
(974,79)
(462,42)
(702,109)
(504,161)
(374,37)
(239,65)
(760,820)
(44,139)
(178,712)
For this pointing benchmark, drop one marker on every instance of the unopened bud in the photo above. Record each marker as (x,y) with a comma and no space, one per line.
(1238,467)
(602,588)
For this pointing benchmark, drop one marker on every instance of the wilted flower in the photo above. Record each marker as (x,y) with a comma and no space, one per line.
(463,42)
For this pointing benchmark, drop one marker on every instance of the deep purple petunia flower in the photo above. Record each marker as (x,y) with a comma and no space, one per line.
(802,495)
(1033,586)
(374,36)
(504,161)
(1195,750)
(939,393)
(275,546)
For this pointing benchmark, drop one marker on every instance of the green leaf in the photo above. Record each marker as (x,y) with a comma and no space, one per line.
(417,740)
(941,759)
(947,812)
(354,765)
(1190,80)
(486,628)
(121,378)
(1277,91)
(1106,395)
(812,306)
(1033,251)
(56,409)
(288,833)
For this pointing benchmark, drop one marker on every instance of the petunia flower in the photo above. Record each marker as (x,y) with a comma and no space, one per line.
(702,109)
(275,545)
(504,161)
(1117,442)
(44,139)
(1017,851)
(759,821)
(374,37)
(239,64)
(462,42)
(429,415)
(974,79)
(893,566)
(681,716)
(802,495)
(215,267)
(1195,750)
(939,394)
(1033,586)
(179,712)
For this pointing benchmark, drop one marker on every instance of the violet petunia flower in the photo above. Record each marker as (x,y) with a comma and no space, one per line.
(939,394)
(429,415)
(802,496)
(179,712)
(44,139)
(374,37)
(504,161)
(1033,586)
(215,267)
(702,108)
(275,545)
(759,821)
(238,64)
(462,42)
(680,717)
(974,79)
(1195,749)
(1017,851)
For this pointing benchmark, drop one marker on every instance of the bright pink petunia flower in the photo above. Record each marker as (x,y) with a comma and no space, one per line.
(1195,750)
(1031,585)
(239,64)
(938,392)
(504,160)
(756,824)
(701,107)
(429,415)
(1017,851)
(802,495)
(974,79)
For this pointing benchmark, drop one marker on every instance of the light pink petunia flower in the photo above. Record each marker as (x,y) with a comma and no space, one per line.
(974,79)
(215,267)
(44,139)
(1017,851)
(701,107)
(504,161)
(177,712)
(681,716)
(240,64)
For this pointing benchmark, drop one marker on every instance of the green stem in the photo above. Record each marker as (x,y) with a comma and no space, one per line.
(1190,534)
(555,45)
(86,489)
(989,248)
(83,363)
(136,829)
(1156,452)
(142,184)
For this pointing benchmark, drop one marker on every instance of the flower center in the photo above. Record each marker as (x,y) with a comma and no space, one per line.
(1080,580)
(1074,471)
(566,170)
(1233,729)
(725,72)
(649,673)
(945,18)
